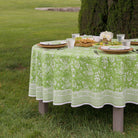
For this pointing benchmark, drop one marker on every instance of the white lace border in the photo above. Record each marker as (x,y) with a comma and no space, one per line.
(84,103)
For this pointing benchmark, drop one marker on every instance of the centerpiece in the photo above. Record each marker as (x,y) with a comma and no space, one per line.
(106,39)
(106,36)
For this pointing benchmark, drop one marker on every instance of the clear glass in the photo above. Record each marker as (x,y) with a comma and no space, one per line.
(70,42)
(96,38)
(126,42)
(120,37)
(75,35)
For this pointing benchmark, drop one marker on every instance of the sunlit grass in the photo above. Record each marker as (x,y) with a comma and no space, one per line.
(20,28)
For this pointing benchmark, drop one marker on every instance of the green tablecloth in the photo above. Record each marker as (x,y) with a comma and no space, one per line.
(79,76)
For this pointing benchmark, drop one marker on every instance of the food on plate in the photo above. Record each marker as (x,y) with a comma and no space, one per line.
(87,40)
(84,42)
(114,43)
(78,38)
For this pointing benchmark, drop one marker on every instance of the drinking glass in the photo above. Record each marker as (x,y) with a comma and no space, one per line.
(96,38)
(70,42)
(120,37)
(75,35)
(126,42)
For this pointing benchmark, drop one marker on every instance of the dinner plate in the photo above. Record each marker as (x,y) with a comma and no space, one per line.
(134,41)
(52,46)
(119,50)
(58,42)
(86,36)
(115,47)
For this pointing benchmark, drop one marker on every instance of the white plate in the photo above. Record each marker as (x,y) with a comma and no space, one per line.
(86,36)
(58,42)
(134,40)
(115,47)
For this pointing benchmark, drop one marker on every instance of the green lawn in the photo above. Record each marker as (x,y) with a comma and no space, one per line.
(20,28)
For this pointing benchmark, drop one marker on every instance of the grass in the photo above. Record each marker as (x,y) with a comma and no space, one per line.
(20,27)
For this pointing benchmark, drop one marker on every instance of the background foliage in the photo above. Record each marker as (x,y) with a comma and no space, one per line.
(117,16)
(93,16)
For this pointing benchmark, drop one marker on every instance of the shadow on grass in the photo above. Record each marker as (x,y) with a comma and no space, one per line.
(15,67)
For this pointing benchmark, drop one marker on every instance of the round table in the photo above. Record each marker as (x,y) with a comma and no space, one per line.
(82,76)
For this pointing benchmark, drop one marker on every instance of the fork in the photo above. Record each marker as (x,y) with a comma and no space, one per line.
(59,48)
(136,50)
(96,52)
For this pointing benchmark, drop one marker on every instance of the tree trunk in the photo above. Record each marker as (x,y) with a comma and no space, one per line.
(92,17)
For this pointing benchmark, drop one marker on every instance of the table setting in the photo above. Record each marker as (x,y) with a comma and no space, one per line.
(53,44)
(62,57)
(92,70)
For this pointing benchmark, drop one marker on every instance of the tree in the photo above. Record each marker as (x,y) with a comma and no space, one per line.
(93,16)
(117,16)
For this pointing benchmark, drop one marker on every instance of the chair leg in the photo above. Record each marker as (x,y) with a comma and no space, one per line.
(118,119)
(43,107)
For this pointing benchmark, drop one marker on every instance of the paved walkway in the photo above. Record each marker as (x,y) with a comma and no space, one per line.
(66,9)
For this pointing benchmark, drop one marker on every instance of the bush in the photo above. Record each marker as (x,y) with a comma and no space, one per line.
(93,16)
(117,16)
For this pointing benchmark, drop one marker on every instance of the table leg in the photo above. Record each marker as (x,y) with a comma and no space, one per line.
(43,107)
(118,119)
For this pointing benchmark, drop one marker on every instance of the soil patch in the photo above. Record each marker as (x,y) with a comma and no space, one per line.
(20,67)
(15,67)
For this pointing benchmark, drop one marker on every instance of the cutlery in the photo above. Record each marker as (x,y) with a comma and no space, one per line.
(95,51)
(60,48)
(136,50)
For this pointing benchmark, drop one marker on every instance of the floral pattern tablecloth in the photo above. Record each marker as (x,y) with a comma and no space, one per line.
(79,76)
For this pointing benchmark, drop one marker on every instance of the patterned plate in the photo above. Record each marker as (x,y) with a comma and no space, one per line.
(52,46)
(116,51)
(58,42)
(134,41)
(115,47)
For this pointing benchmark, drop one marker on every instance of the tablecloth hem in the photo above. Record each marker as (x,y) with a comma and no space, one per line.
(91,104)
(38,99)
(32,95)
(62,103)
(47,101)
(104,105)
